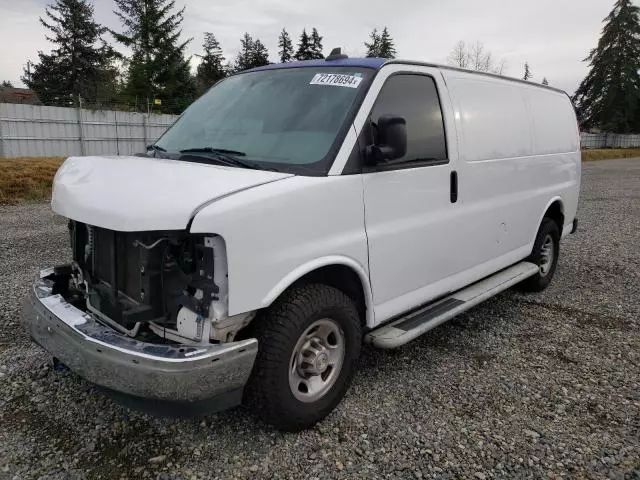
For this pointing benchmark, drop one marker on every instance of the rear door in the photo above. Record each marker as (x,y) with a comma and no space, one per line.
(412,214)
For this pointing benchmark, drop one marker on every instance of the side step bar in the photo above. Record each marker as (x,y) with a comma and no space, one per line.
(416,323)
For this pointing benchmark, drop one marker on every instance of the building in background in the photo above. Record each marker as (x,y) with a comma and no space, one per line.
(19,95)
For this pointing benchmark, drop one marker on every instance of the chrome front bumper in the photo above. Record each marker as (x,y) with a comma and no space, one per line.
(180,373)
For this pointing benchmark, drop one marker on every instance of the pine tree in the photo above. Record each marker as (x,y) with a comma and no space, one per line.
(81,65)
(609,96)
(545,81)
(243,60)
(6,84)
(157,68)
(259,54)
(387,47)
(373,48)
(286,47)
(252,54)
(527,72)
(382,45)
(304,51)
(211,69)
(316,45)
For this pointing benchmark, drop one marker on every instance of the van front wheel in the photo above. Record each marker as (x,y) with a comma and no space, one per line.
(308,346)
(546,250)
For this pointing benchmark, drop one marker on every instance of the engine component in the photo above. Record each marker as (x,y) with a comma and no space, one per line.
(133,278)
(190,324)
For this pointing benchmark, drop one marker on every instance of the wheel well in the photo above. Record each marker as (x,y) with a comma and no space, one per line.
(341,278)
(555,213)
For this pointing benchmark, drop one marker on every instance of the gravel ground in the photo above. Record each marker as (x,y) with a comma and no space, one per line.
(544,385)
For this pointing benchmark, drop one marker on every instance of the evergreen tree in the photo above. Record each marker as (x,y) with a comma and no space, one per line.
(6,84)
(609,96)
(387,47)
(212,68)
(80,65)
(545,81)
(157,68)
(243,60)
(305,51)
(527,72)
(252,54)
(316,45)
(373,48)
(382,45)
(286,47)
(259,55)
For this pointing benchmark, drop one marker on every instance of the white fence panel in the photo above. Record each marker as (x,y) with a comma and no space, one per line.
(609,140)
(35,131)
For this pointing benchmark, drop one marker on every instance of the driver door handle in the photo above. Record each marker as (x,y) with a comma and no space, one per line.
(454,186)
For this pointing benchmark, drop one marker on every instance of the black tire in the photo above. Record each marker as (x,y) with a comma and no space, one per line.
(540,281)
(268,391)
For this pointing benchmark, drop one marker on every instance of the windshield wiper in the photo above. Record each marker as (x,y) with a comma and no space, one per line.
(155,148)
(214,150)
(223,155)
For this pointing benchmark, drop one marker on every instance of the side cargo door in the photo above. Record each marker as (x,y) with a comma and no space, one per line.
(412,212)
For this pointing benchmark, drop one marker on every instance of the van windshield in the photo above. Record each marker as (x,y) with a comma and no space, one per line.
(291,119)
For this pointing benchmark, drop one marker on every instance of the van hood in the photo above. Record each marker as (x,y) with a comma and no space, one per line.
(141,193)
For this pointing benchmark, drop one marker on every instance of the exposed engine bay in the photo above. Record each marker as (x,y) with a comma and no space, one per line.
(169,283)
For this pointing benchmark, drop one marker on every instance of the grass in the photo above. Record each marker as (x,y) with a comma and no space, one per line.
(609,153)
(27,179)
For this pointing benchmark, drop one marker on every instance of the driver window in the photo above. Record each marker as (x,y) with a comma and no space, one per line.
(415,98)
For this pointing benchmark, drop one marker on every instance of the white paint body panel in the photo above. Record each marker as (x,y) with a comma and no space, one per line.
(280,231)
(411,221)
(389,336)
(514,146)
(519,151)
(135,193)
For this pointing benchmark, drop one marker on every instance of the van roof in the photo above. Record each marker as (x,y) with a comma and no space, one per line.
(342,62)
(377,63)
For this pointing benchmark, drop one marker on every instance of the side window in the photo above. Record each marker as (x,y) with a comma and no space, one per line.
(415,98)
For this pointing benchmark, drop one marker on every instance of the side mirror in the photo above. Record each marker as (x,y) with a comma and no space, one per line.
(392,140)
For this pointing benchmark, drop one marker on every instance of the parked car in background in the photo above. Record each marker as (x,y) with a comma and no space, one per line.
(294,211)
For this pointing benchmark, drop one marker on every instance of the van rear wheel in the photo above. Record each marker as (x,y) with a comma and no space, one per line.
(308,346)
(546,250)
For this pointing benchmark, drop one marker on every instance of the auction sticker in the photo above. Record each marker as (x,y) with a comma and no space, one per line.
(336,79)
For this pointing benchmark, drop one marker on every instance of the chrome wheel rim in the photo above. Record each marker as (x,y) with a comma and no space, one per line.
(316,360)
(546,255)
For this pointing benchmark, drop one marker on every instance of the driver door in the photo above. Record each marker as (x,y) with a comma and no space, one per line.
(412,213)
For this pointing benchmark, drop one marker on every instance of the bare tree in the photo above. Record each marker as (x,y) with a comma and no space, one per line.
(459,56)
(475,57)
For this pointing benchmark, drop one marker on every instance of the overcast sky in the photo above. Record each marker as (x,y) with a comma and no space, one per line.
(554,36)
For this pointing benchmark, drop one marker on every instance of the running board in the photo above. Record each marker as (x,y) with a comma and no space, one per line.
(416,323)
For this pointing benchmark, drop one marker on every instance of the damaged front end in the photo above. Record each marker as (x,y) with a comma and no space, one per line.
(144,313)
(173,284)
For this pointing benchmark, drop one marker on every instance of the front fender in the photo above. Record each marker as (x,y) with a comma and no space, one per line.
(317,263)
(276,232)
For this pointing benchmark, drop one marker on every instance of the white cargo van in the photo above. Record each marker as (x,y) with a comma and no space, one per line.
(295,211)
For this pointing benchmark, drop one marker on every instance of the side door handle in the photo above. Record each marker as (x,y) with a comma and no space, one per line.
(453,186)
